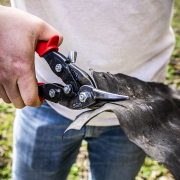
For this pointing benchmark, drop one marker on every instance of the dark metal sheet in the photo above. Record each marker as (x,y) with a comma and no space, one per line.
(150,118)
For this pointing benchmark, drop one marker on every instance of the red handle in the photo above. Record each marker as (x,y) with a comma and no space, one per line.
(43,46)
(40,83)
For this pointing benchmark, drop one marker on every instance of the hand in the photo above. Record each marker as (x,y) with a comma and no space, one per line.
(19,34)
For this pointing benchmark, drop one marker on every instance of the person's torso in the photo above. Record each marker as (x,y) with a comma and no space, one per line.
(131,37)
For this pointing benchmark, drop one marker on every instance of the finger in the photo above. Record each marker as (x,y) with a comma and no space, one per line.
(48,31)
(3,94)
(14,95)
(29,90)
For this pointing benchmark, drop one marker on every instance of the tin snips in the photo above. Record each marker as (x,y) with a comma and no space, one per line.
(80,90)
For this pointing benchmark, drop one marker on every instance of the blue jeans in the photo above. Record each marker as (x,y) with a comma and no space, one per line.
(41,154)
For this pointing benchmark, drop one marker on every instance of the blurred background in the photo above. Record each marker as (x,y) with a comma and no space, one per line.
(151,170)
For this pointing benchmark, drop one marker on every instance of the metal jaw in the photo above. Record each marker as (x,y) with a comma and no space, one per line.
(86,96)
(68,72)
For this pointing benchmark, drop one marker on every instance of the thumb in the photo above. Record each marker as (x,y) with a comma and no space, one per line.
(47,31)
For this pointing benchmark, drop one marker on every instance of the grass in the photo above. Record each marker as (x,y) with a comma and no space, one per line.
(6,138)
(151,170)
(173,75)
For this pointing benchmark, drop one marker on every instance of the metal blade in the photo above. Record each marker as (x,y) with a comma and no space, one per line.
(103,95)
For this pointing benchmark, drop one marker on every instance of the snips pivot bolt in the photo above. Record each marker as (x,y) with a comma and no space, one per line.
(83,96)
(58,67)
(52,93)
(67,89)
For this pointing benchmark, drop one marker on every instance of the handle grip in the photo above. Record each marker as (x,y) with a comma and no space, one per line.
(39,83)
(43,46)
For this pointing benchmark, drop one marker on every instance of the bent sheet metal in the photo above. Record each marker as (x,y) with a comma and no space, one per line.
(150,118)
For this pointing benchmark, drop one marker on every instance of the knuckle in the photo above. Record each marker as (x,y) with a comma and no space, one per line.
(19,66)
(31,102)
(41,24)
(22,71)
(19,106)
(4,78)
(61,39)
(7,101)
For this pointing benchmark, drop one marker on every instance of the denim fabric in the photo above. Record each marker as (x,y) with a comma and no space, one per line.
(41,154)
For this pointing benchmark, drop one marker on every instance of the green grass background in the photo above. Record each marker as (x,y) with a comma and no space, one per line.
(151,170)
